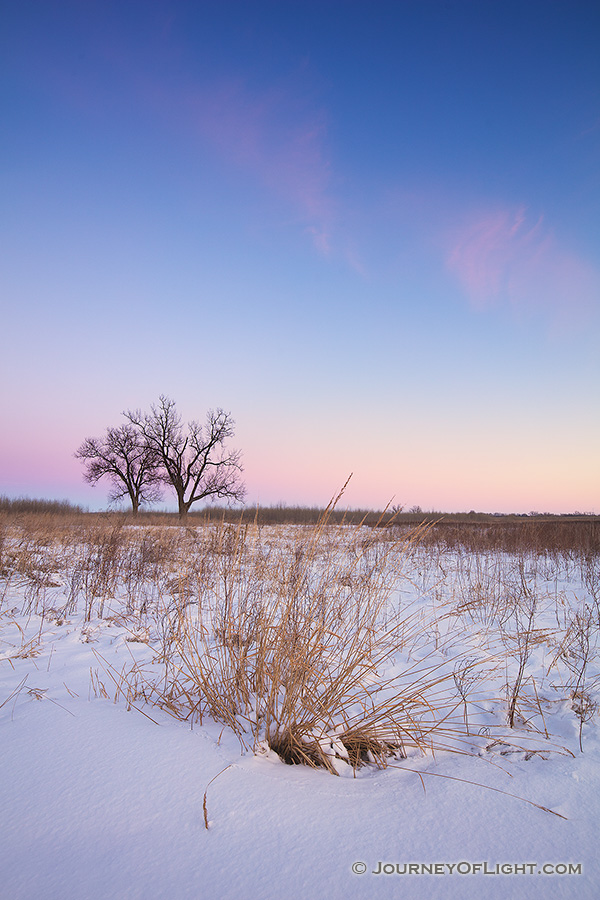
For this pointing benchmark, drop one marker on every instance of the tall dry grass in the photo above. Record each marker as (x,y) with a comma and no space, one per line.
(298,637)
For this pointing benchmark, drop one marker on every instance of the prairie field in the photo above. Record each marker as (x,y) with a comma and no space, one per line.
(187,704)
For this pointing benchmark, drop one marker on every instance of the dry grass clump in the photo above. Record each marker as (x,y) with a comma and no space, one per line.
(290,648)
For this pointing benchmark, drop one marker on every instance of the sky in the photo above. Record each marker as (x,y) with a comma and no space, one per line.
(369,231)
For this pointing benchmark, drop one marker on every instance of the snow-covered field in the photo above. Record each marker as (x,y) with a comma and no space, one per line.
(115,755)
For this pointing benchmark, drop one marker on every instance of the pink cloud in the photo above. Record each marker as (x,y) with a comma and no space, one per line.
(504,257)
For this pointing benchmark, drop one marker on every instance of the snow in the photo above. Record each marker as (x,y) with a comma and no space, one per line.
(101,801)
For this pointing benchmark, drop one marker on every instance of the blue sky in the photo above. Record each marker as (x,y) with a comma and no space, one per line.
(370,231)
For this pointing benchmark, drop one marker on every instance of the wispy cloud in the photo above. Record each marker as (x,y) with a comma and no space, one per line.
(507,256)
(282,147)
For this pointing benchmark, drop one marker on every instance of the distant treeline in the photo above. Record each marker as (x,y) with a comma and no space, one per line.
(45,507)
(281,514)
(310,515)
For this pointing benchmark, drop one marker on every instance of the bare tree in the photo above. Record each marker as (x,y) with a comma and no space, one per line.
(126,460)
(193,459)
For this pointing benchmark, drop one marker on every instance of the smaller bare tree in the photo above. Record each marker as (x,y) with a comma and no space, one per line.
(123,457)
(192,459)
